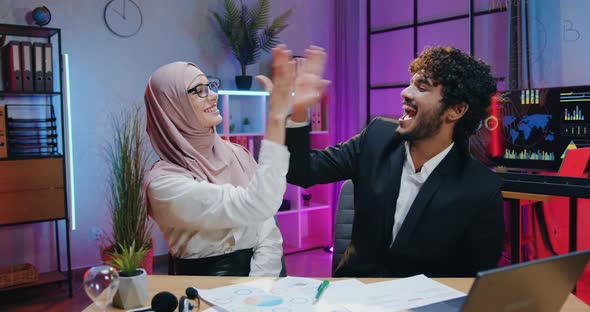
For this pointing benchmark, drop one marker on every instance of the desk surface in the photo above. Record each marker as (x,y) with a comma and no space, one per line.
(527,196)
(178,284)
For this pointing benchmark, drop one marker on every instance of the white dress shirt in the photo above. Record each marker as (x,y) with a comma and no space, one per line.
(411,181)
(410,184)
(200,219)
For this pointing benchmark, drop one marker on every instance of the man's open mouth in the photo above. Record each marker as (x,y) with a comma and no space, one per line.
(409,112)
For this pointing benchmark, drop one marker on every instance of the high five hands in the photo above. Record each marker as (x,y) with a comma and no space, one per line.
(308,85)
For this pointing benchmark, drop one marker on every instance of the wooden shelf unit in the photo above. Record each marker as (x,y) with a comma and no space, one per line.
(32,186)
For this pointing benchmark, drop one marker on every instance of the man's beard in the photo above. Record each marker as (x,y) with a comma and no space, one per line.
(423,128)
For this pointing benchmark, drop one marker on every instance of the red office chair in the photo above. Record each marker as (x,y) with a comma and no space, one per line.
(556,211)
(550,221)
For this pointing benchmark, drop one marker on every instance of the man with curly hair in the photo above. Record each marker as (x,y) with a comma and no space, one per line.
(423,205)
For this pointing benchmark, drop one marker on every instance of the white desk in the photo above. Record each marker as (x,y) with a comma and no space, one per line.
(178,284)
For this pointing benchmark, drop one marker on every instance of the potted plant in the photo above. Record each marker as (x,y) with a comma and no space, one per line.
(306,198)
(248,31)
(246,125)
(128,157)
(133,287)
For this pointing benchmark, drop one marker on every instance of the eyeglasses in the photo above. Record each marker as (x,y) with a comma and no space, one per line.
(203,89)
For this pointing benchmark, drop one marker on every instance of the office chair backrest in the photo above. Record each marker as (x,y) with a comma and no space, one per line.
(575,163)
(343,224)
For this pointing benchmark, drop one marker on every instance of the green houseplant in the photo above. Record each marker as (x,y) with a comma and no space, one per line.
(246,125)
(250,31)
(127,258)
(132,291)
(128,156)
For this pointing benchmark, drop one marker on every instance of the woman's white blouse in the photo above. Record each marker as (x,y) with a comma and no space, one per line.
(201,219)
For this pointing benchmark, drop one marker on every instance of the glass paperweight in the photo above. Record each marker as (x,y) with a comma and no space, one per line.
(101,283)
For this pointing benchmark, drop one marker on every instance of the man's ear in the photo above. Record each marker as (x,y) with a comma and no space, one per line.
(455,112)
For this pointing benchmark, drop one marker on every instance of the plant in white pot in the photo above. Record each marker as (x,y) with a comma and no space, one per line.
(133,283)
(248,31)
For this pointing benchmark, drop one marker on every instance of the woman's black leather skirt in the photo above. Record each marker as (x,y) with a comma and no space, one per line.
(236,263)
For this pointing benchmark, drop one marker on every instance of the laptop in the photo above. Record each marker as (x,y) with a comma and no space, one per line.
(535,286)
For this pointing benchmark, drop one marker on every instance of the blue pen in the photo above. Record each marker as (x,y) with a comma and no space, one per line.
(321,290)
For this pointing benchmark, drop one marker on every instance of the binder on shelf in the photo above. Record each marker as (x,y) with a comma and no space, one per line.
(320,124)
(3,142)
(48,66)
(26,58)
(312,117)
(316,117)
(12,67)
(251,144)
(324,111)
(38,68)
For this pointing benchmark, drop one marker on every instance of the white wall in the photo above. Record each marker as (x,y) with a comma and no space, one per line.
(575,42)
(559,43)
(108,73)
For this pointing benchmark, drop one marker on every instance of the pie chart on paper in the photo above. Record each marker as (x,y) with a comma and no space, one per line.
(263,301)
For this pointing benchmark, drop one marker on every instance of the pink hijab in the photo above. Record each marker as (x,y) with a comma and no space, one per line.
(184,146)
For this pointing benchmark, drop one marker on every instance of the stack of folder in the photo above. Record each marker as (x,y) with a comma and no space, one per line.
(27,67)
(3,143)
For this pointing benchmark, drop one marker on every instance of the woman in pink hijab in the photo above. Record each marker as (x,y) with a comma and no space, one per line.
(212,202)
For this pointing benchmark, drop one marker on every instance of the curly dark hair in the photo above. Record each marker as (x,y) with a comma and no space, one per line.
(464,79)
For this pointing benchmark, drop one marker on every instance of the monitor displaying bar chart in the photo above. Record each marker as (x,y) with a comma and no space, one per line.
(535,127)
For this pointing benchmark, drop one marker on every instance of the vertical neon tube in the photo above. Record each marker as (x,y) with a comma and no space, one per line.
(69,146)
(495,146)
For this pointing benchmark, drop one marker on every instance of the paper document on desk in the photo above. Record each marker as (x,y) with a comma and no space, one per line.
(285,294)
(401,294)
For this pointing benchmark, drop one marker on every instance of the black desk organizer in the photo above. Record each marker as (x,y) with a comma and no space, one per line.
(31,130)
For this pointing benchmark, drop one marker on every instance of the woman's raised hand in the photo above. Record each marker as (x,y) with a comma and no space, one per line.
(309,84)
(280,90)
(281,86)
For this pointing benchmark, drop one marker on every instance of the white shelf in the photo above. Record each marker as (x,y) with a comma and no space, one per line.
(243,93)
(314,206)
(309,243)
(238,134)
(286,212)
(302,227)
(290,248)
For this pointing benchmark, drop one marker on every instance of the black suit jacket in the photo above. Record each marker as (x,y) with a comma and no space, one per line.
(455,225)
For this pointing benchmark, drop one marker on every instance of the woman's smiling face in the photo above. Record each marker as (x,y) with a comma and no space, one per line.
(204,100)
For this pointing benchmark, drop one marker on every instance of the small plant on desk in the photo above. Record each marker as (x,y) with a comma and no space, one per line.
(132,292)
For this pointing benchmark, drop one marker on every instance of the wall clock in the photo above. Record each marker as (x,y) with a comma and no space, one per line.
(123,17)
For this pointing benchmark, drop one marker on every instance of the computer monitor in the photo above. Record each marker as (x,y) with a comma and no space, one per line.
(533,128)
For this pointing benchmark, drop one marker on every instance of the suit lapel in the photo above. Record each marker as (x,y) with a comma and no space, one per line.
(448,165)
(389,199)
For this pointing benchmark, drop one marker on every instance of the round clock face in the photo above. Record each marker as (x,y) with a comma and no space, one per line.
(123,17)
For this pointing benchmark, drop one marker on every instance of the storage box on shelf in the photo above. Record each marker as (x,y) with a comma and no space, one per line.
(306,224)
(32,183)
(13,275)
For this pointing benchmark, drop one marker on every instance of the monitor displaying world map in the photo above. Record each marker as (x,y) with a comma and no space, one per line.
(534,128)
